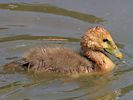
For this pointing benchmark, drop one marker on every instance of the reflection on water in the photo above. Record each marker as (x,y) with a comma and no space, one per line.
(45,8)
(28,37)
(60,87)
(3,28)
(19,31)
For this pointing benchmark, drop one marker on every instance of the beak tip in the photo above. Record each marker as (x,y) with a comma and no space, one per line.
(119,55)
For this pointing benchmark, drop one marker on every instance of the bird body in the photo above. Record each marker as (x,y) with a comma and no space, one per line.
(55,59)
(94,43)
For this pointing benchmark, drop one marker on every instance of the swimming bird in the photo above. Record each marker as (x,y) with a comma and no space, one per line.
(95,44)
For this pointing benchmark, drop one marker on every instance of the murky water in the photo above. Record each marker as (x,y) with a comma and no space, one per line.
(25,24)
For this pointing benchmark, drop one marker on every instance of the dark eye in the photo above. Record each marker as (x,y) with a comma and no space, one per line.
(105,40)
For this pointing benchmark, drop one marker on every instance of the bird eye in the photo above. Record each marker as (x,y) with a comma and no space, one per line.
(105,40)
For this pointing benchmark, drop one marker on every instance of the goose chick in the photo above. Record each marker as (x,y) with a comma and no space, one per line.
(94,43)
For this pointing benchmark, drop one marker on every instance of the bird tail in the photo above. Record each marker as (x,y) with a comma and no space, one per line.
(17,65)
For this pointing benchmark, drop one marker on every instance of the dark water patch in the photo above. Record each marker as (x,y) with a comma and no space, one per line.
(126,90)
(121,72)
(3,28)
(29,37)
(46,8)
(9,86)
(16,25)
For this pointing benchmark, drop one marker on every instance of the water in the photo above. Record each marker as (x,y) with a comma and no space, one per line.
(27,24)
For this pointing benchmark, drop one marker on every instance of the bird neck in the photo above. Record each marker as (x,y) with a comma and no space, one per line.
(101,62)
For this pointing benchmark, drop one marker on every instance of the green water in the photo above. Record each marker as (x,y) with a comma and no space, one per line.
(27,24)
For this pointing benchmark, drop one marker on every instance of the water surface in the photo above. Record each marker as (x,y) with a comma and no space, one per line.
(27,24)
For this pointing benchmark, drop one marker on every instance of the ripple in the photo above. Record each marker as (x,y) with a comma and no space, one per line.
(29,37)
(46,8)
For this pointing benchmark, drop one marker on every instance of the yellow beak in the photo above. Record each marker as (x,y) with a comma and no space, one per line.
(119,55)
(115,52)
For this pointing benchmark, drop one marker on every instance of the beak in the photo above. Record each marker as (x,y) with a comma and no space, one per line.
(112,49)
(119,55)
(114,52)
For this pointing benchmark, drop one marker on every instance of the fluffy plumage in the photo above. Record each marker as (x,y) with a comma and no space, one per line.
(94,43)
